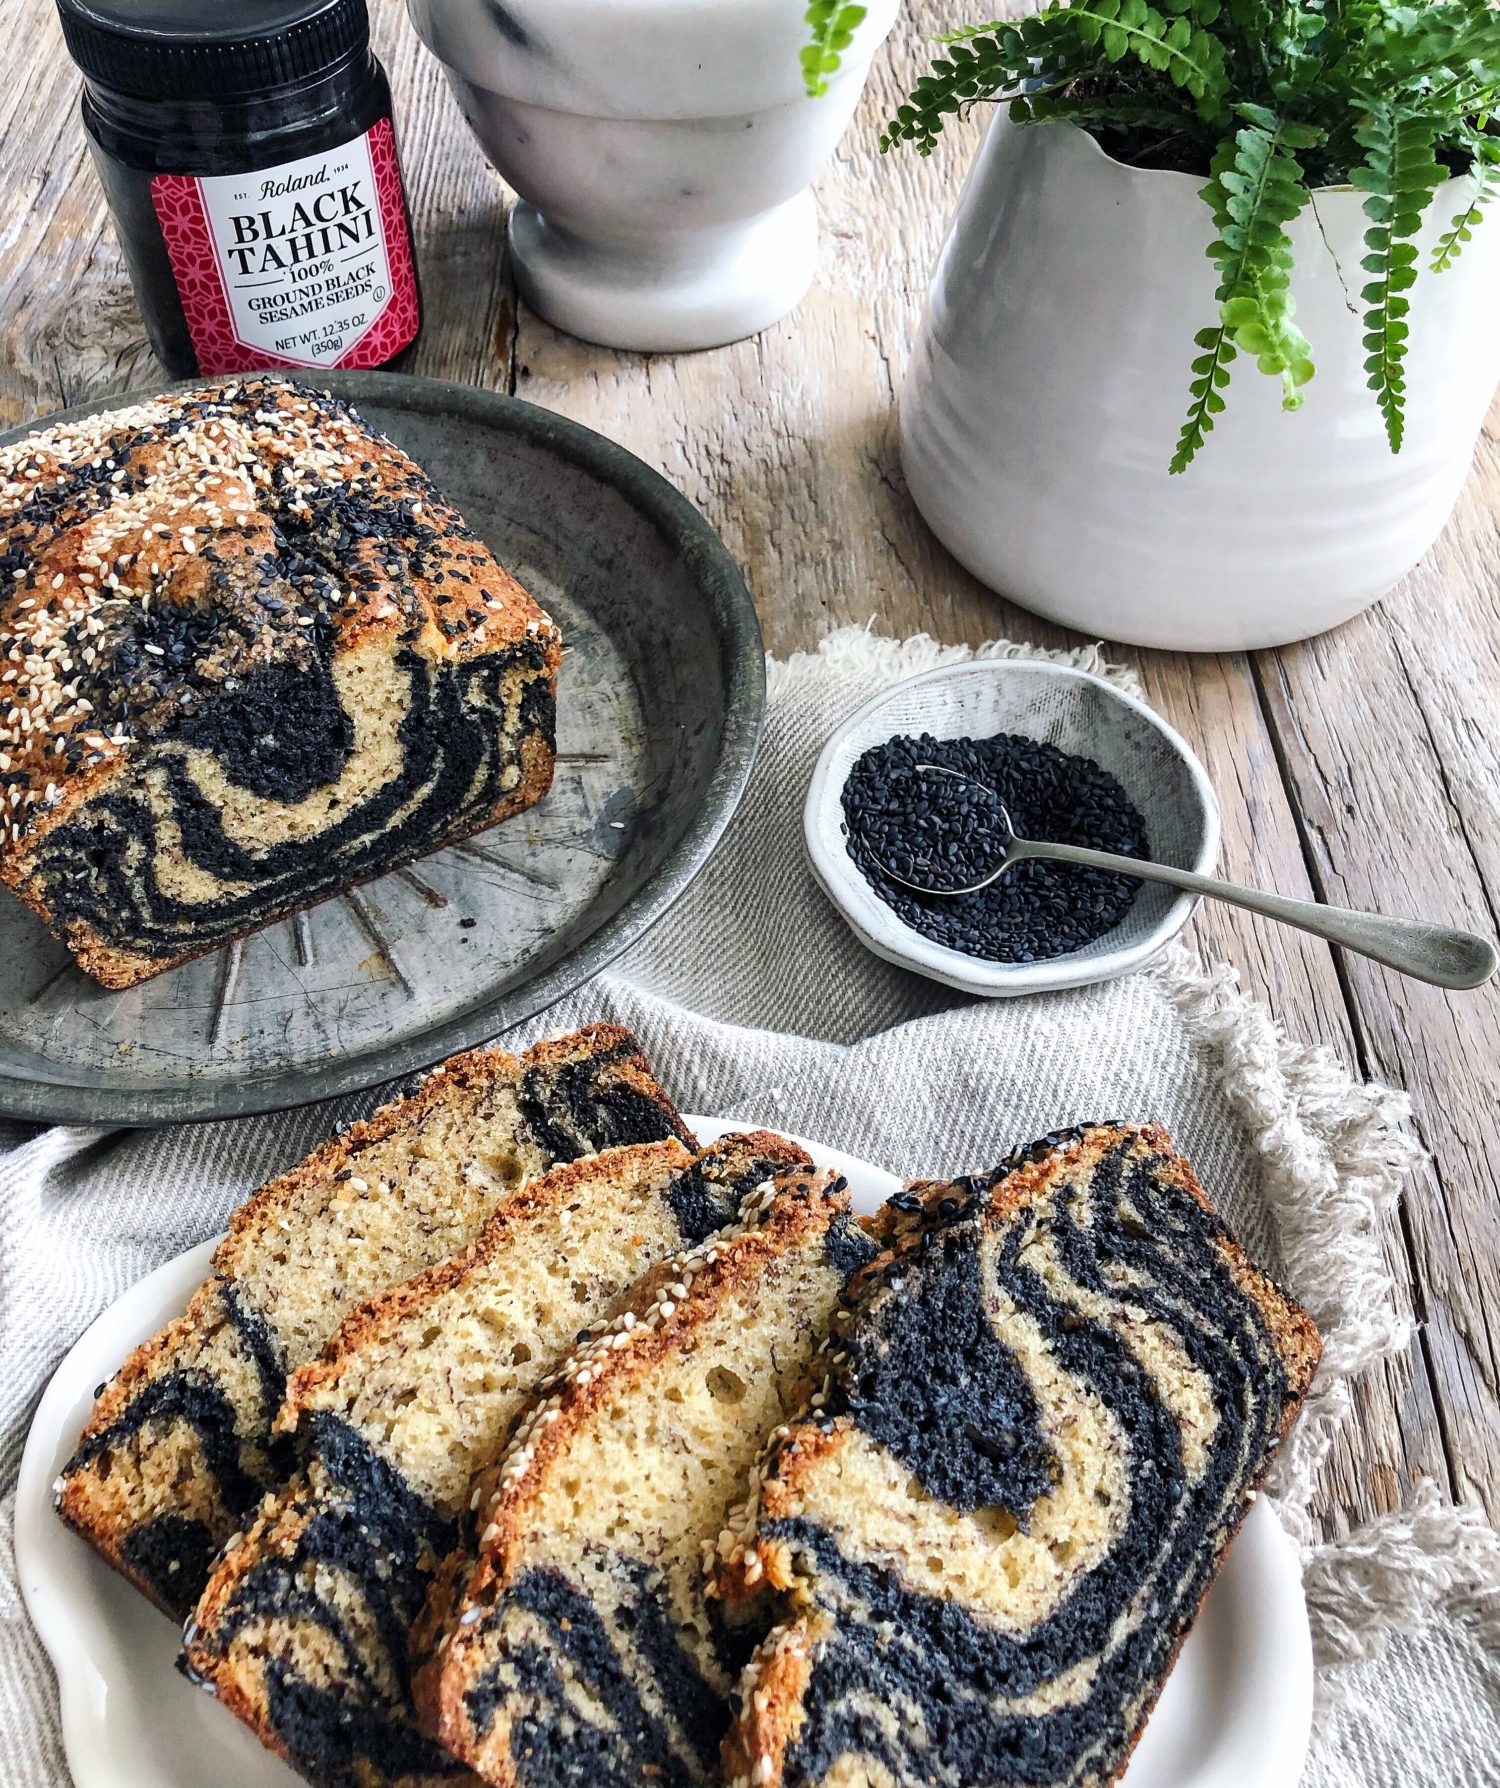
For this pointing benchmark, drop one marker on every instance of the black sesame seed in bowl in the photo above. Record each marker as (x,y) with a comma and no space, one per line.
(904,811)
(1072,758)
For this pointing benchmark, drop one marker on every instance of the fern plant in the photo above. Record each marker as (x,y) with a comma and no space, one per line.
(1269,100)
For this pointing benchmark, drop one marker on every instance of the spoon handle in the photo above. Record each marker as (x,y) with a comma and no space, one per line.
(1435,953)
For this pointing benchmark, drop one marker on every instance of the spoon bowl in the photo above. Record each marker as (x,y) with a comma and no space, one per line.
(1438,954)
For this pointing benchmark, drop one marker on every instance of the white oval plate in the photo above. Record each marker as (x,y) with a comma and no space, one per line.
(1235,1713)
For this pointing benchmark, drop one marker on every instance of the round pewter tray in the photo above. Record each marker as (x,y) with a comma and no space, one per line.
(660,703)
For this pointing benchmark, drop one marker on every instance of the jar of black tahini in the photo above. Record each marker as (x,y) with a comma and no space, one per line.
(248,153)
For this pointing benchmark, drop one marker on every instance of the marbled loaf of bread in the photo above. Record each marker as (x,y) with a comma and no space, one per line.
(1033,1441)
(179,1446)
(586,1651)
(303,1629)
(251,657)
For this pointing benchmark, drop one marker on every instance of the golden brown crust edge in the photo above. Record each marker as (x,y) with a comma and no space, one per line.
(382,1316)
(774,1687)
(78,1501)
(492,592)
(1294,1331)
(78,1504)
(272,1528)
(454,1076)
(452,1576)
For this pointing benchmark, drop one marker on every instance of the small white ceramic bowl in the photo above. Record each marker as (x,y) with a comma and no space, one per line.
(1072,710)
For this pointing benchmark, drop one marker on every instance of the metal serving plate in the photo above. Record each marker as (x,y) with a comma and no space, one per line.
(660,703)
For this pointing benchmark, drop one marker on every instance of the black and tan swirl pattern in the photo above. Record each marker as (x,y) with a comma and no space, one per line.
(152,867)
(1040,1434)
(336,1573)
(190,1452)
(596,1685)
(180,1447)
(592,1650)
(256,658)
(340,1573)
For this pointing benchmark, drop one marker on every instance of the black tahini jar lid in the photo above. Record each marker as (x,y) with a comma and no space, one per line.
(195,50)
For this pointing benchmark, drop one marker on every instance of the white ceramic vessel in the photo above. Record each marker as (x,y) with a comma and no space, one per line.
(663,151)
(1050,378)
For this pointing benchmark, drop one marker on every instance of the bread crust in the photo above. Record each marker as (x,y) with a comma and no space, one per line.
(773,1692)
(662,1325)
(82,1501)
(729,1263)
(1295,1332)
(381,1317)
(648,1171)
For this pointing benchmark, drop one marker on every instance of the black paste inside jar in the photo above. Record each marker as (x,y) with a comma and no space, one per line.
(943,832)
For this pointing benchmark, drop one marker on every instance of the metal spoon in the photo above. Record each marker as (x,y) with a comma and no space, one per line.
(1435,953)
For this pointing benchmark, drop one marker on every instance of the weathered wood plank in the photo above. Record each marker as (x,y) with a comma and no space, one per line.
(1389,728)
(458,217)
(70,326)
(1395,1435)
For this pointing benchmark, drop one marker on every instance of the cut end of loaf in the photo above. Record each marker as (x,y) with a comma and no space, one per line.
(1057,1391)
(268,662)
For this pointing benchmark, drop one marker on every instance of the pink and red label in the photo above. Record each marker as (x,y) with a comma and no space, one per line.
(308,263)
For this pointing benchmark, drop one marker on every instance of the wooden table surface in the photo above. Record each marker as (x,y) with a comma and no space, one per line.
(1362,767)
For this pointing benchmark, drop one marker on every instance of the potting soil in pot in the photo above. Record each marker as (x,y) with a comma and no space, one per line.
(944,833)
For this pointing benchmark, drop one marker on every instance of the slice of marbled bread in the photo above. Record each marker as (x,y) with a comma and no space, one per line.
(263,659)
(586,1651)
(179,1446)
(1033,1441)
(303,1629)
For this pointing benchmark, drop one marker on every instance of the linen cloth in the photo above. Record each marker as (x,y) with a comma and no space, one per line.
(754,1001)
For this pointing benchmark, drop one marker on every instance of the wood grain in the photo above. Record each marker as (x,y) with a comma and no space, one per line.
(1362,766)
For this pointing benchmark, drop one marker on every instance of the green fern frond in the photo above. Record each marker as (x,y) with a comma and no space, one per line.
(1185,53)
(1210,376)
(1450,243)
(1110,115)
(1400,173)
(832,24)
(967,33)
(1441,43)
(1255,191)
(976,69)
(1055,50)
(1274,99)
